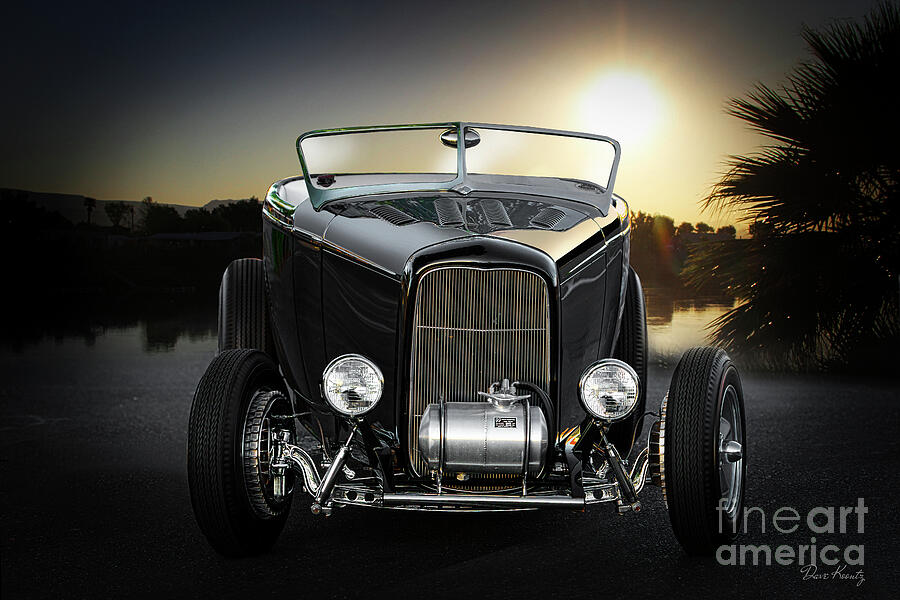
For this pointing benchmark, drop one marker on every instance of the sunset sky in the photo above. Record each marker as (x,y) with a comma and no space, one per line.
(191,103)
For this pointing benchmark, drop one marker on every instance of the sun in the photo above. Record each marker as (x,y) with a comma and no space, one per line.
(622,104)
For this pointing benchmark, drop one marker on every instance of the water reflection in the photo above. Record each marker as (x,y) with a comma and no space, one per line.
(161,321)
(675,323)
(162,335)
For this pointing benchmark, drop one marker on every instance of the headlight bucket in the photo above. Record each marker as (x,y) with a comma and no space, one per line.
(352,385)
(609,390)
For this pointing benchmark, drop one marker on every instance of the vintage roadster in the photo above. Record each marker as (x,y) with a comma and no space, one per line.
(455,335)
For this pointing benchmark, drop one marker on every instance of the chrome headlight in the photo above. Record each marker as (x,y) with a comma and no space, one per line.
(609,389)
(352,384)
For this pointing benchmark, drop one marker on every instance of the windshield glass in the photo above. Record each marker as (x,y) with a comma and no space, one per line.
(409,151)
(540,155)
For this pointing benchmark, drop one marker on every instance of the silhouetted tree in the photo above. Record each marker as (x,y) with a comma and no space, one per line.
(726,232)
(759,229)
(241,216)
(685,229)
(819,277)
(158,218)
(653,248)
(116,211)
(162,219)
(21,217)
(200,219)
(245,215)
(702,227)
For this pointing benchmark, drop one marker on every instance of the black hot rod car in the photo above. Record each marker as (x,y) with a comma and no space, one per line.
(452,335)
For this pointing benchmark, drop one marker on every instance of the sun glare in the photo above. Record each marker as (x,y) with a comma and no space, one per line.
(624,105)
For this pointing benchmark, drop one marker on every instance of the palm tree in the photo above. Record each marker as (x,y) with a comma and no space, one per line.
(89,204)
(818,280)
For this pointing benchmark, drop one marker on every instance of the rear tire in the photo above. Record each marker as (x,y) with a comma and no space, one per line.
(243,307)
(631,347)
(702,447)
(231,400)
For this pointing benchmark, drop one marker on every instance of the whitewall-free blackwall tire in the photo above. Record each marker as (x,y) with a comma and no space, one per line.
(230,404)
(704,462)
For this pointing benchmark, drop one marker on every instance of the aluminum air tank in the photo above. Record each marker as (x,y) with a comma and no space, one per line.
(481,437)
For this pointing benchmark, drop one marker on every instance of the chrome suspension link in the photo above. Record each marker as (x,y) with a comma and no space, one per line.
(290,456)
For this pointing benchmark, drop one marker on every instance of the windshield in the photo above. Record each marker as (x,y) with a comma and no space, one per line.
(348,162)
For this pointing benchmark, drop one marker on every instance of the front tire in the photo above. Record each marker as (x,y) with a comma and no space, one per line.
(227,453)
(702,447)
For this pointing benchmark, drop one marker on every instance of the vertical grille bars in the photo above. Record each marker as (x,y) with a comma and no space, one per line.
(472,327)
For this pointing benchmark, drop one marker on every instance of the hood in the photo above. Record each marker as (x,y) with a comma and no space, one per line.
(388,230)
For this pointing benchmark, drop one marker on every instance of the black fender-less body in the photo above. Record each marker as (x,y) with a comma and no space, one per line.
(468,340)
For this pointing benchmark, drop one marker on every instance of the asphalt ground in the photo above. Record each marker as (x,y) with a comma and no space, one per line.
(95,501)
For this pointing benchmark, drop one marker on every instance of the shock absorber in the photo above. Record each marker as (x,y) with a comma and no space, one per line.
(279,466)
(321,504)
(626,488)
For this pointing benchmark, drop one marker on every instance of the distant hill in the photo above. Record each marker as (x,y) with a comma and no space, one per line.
(214,203)
(71,206)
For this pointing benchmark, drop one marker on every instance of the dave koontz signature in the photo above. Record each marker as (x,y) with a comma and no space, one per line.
(839,572)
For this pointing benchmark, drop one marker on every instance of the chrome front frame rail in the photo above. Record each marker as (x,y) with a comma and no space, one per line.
(595,492)
(370,494)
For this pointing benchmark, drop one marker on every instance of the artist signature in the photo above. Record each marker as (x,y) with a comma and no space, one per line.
(839,572)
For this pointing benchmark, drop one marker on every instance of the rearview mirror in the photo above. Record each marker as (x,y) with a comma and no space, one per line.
(449,138)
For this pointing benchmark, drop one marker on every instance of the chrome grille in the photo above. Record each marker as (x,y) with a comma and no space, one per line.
(472,327)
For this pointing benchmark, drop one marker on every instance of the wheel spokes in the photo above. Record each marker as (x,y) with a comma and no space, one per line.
(724,428)
(730,449)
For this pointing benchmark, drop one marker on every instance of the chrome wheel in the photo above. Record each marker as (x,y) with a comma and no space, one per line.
(259,427)
(730,452)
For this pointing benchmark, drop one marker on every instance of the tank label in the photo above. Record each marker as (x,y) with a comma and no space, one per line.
(505,422)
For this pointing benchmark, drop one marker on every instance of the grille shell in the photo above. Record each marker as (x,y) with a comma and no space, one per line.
(470,327)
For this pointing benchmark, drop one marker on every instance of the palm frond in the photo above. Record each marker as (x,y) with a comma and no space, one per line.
(819,284)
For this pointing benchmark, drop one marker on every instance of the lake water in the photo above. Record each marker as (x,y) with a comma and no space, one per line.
(675,324)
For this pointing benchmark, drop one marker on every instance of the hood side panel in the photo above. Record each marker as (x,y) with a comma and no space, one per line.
(360,309)
(307,307)
(584,312)
(279,262)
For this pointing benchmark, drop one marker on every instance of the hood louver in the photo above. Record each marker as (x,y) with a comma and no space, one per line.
(448,213)
(548,218)
(392,215)
(496,213)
